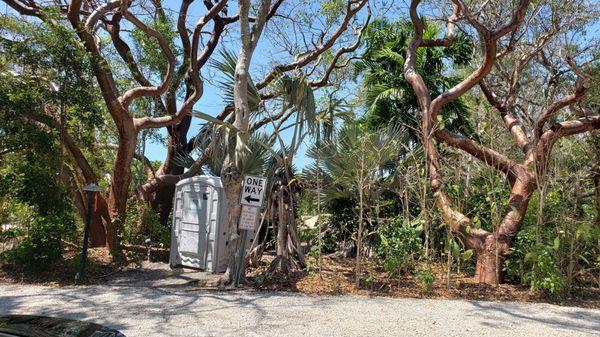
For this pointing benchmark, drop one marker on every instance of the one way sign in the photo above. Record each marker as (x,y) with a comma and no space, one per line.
(253,191)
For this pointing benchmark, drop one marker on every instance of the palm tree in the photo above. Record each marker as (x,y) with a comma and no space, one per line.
(388,97)
(357,163)
(295,97)
(333,108)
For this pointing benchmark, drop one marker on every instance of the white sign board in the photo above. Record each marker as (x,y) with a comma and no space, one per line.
(248,218)
(253,191)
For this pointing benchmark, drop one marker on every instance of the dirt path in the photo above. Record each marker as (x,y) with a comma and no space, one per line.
(173,309)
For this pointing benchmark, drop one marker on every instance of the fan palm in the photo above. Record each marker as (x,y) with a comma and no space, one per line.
(356,163)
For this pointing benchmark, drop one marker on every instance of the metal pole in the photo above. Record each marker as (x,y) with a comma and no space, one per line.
(240,264)
(86,233)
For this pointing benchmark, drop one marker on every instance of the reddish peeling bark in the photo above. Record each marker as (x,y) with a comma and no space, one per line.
(97,236)
(490,248)
(101,212)
(119,189)
(127,126)
(177,146)
(145,191)
(494,246)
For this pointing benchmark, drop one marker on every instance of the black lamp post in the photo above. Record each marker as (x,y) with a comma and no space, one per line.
(91,189)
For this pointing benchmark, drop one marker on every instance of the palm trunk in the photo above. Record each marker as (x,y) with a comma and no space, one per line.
(232,185)
(282,262)
(358,268)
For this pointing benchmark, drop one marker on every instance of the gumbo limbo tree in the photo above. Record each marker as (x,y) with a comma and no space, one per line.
(165,74)
(514,39)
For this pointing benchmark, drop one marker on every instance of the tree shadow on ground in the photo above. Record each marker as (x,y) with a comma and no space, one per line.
(572,319)
(153,310)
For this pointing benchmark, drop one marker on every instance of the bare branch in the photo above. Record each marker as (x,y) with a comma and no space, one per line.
(489,58)
(100,66)
(31,9)
(450,26)
(314,54)
(99,12)
(483,153)
(510,120)
(559,130)
(124,50)
(344,50)
(580,91)
(153,185)
(152,91)
(212,13)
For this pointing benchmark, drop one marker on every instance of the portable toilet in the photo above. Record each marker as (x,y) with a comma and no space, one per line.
(198,234)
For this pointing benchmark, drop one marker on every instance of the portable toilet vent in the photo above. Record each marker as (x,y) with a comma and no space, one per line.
(198,234)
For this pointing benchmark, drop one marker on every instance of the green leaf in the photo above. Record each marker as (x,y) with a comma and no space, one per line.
(455,249)
(584,259)
(467,255)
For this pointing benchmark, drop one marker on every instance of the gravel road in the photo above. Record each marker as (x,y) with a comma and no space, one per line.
(163,311)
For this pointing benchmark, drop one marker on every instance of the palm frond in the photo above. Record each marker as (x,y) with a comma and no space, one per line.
(226,66)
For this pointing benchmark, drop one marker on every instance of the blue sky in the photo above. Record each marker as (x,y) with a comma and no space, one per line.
(266,54)
(212,103)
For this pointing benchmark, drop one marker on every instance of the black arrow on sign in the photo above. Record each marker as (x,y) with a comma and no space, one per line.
(250,199)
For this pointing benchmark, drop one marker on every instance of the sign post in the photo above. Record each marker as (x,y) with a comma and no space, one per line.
(253,192)
(91,190)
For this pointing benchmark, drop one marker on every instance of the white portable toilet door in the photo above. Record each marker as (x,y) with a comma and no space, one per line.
(193,231)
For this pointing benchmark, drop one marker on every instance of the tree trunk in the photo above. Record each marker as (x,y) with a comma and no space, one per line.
(282,261)
(289,250)
(119,190)
(232,184)
(488,268)
(358,267)
(596,172)
(177,146)
(597,192)
(491,253)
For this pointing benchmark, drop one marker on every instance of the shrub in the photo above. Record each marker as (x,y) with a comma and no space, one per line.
(543,273)
(308,235)
(41,244)
(400,246)
(426,277)
(534,264)
(141,222)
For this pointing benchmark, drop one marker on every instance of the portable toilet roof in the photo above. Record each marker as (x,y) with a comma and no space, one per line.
(204,179)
